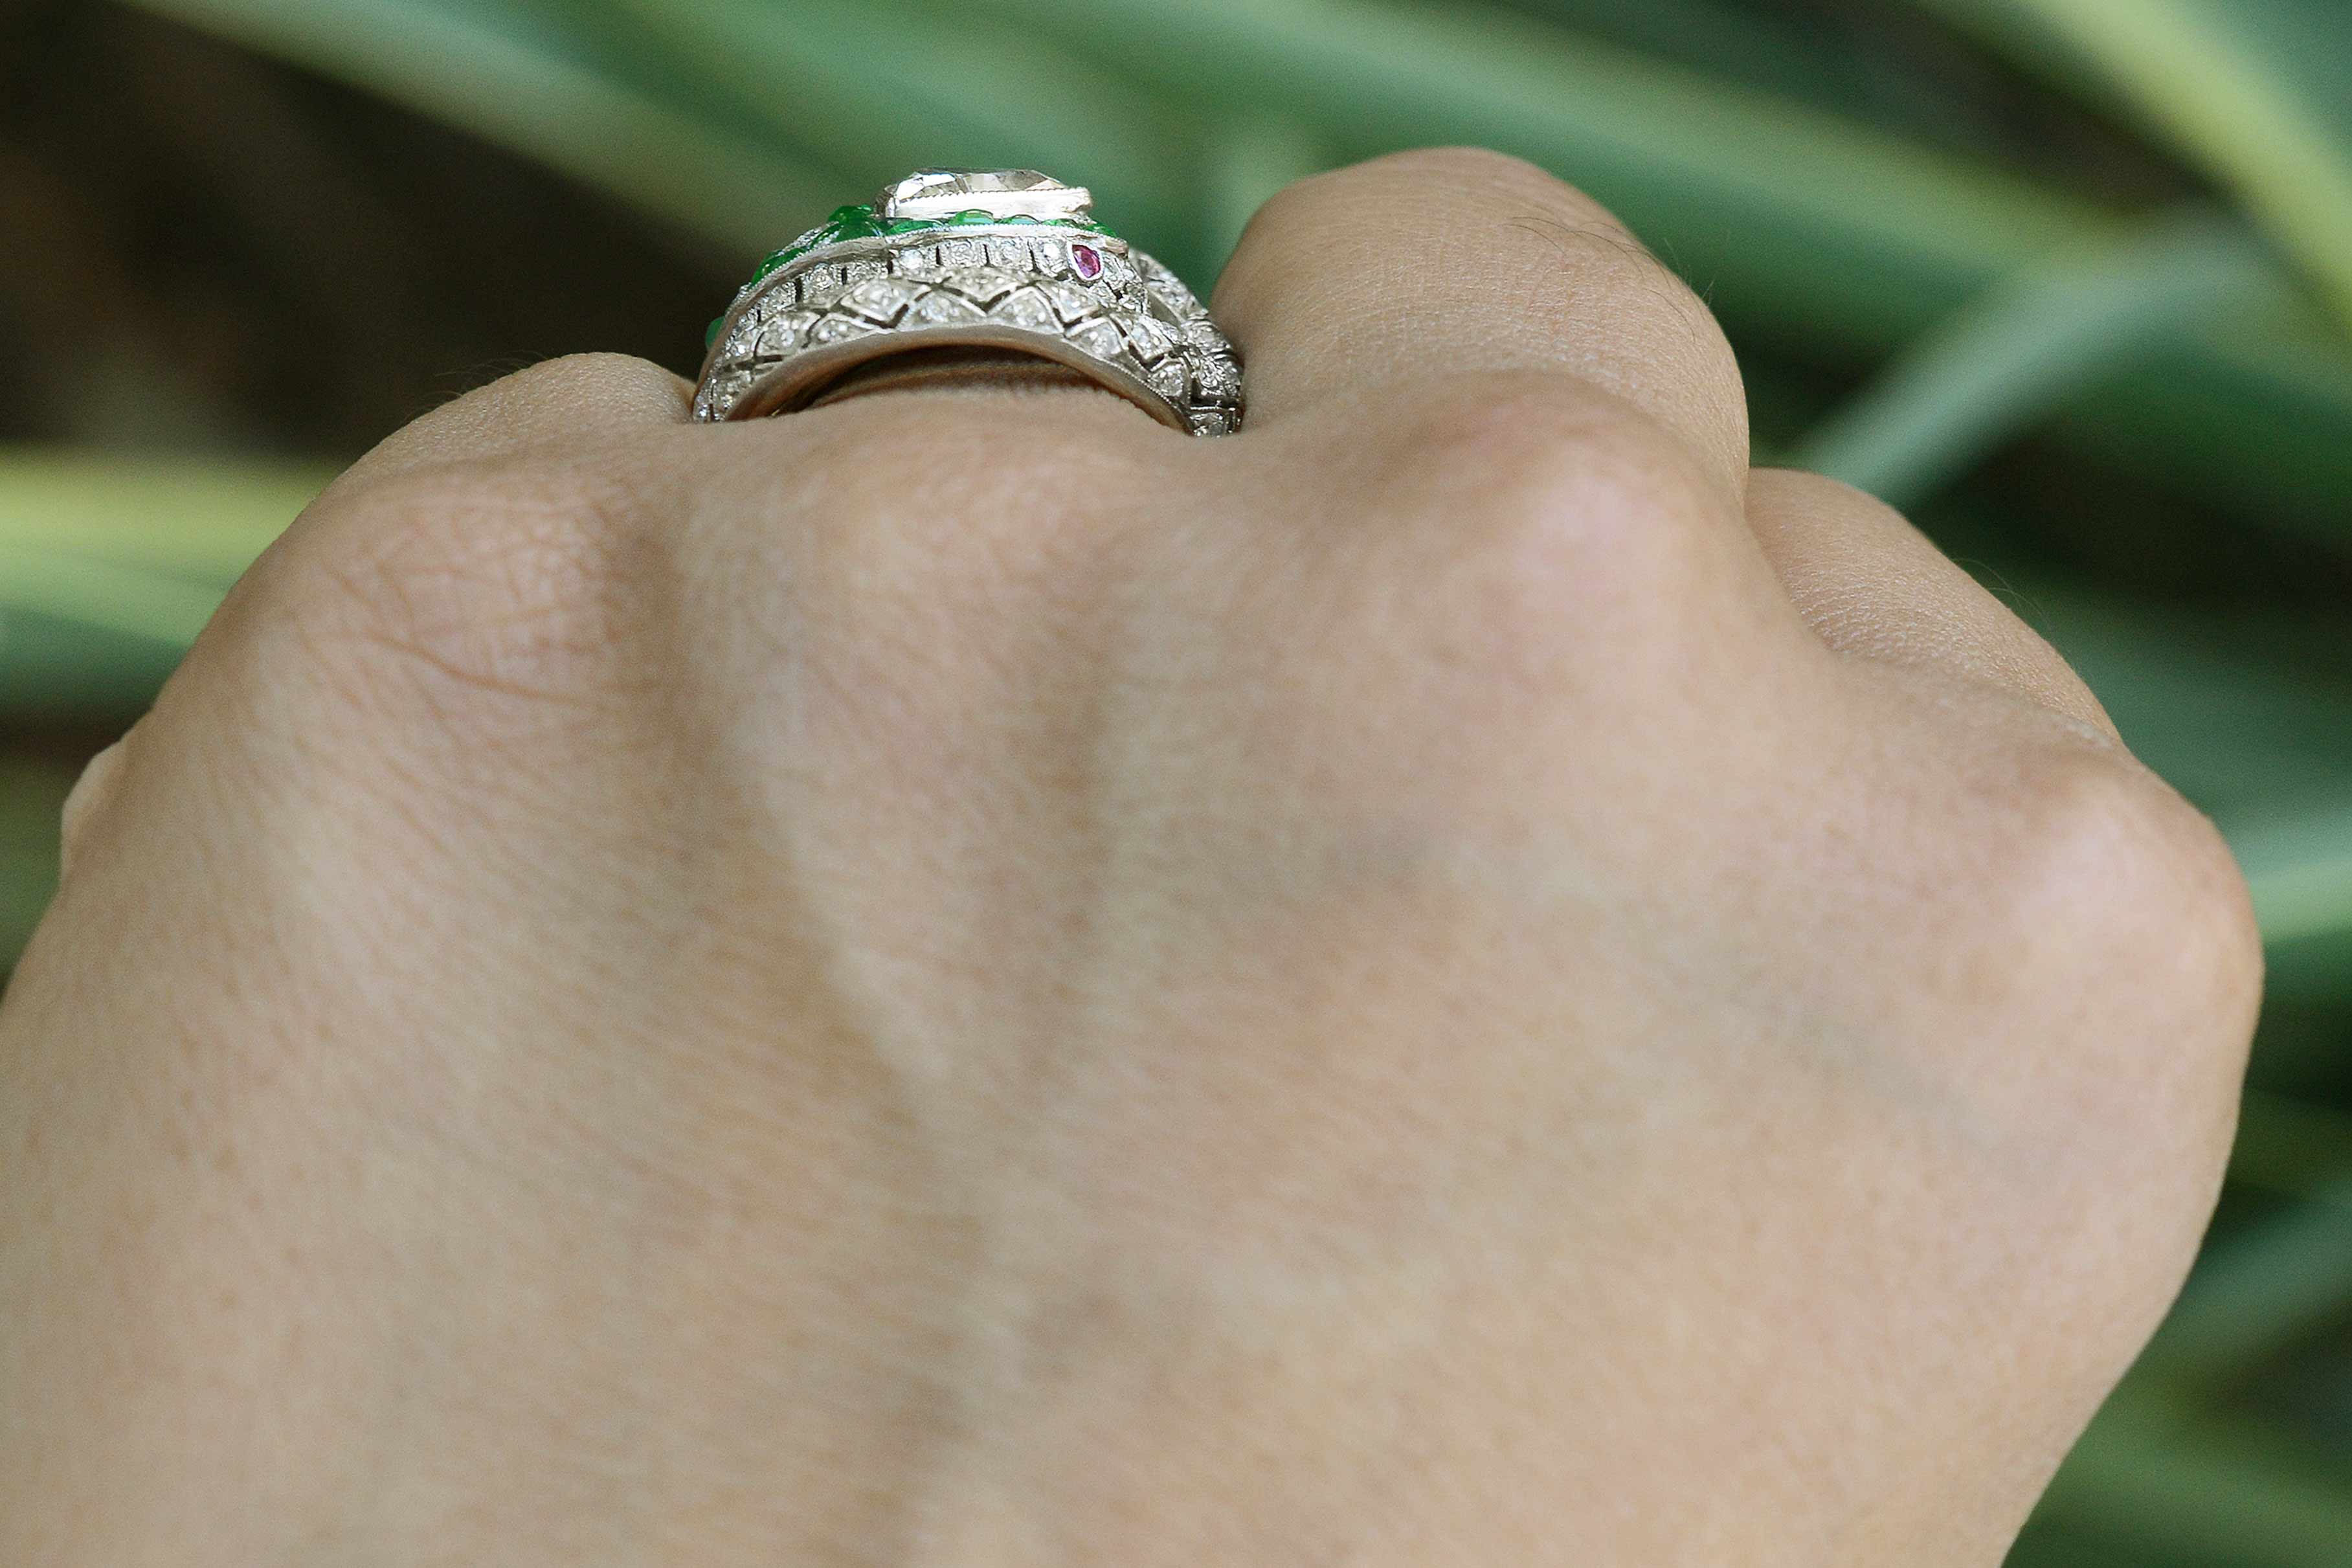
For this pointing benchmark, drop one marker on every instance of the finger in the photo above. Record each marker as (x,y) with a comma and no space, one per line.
(580,409)
(1873,586)
(481,534)
(1358,283)
(582,401)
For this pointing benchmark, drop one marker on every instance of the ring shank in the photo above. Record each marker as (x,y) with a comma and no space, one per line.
(797,382)
(929,368)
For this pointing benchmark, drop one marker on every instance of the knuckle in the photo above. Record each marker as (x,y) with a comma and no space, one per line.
(541,404)
(1452,186)
(1482,170)
(2126,908)
(1515,564)
(1590,247)
(1589,293)
(1559,507)
(2210,937)
(570,382)
(2138,906)
(595,369)
(475,587)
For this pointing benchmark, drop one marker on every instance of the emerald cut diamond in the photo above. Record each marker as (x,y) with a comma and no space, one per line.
(983,196)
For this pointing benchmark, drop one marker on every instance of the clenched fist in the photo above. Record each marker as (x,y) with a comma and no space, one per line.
(959,980)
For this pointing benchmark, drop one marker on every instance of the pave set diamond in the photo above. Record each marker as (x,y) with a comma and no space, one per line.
(1045,273)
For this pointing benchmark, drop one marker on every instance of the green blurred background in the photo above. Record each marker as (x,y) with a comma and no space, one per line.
(2069,280)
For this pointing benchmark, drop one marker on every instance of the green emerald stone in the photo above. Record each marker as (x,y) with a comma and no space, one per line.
(710,338)
(858,221)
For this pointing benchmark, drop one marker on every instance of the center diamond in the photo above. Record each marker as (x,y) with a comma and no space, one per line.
(1006,193)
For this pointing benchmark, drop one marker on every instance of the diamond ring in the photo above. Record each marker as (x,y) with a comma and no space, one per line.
(1006,260)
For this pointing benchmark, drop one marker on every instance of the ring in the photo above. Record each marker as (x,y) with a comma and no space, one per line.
(1003,260)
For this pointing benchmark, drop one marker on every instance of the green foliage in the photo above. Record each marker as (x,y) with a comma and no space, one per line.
(2252,90)
(1847,221)
(2002,362)
(31,796)
(109,568)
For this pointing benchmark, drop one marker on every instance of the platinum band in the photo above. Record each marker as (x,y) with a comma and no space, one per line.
(1080,297)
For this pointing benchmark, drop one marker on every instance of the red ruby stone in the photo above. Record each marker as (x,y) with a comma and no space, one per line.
(1086,260)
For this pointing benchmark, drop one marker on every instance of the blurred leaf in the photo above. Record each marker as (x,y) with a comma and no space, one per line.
(31,797)
(101,595)
(2291,1147)
(72,673)
(509,73)
(2000,364)
(144,548)
(201,519)
(2051,1542)
(2301,872)
(2247,736)
(1251,157)
(108,567)
(1775,52)
(880,88)
(2252,1294)
(2256,92)
(2222,1493)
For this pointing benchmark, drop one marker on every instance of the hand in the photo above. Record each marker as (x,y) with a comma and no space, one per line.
(960,979)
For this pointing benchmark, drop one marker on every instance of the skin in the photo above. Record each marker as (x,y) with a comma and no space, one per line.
(960,979)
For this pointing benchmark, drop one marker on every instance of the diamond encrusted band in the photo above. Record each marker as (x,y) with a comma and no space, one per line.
(1007,259)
